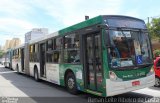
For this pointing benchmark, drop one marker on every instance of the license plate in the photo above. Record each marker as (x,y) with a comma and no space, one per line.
(135,83)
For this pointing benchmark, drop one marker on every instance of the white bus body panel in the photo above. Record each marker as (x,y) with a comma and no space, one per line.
(31,66)
(52,73)
(119,87)
(14,64)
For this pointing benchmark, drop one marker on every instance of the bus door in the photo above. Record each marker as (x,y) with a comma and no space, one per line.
(42,59)
(22,59)
(93,61)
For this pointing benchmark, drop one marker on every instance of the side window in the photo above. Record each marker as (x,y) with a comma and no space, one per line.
(19,53)
(57,50)
(50,50)
(31,53)
(158,63)
(50,44)
(71,49)
(13,54)
(36,49)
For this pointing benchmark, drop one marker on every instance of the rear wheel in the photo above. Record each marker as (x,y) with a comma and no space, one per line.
(17,68)
(9,66)
(157,82)
(71,83)
(36,77)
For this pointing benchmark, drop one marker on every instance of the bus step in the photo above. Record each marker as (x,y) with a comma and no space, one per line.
(94,92)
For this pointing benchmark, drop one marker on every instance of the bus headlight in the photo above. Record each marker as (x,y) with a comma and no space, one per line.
(151,71)
(112,75)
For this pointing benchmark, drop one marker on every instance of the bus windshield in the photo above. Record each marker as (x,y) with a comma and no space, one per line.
(129,48)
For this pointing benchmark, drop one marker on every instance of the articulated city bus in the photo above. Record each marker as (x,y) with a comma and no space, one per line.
(105,56)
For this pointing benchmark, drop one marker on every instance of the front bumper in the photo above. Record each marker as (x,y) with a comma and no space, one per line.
(119,87)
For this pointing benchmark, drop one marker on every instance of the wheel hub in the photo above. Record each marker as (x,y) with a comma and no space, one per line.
(157,82)
(70,83)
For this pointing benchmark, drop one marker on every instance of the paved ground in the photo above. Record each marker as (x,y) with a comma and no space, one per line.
(20,88)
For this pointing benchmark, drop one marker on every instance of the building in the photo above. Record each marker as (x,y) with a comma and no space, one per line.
(33,34)
(12,43)
(7,44)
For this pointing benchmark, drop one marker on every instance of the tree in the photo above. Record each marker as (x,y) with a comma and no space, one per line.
(1,53)
(154,28)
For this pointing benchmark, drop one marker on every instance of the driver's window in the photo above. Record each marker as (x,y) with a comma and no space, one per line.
(122,48)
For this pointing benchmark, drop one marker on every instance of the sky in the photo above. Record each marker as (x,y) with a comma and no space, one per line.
(19,16)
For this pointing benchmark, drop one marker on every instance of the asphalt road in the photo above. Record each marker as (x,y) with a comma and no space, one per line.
(18,88)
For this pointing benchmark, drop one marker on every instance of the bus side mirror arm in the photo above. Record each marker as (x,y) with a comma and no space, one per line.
(103,26)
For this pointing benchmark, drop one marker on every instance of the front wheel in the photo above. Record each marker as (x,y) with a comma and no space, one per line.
(71,83)
(157,82)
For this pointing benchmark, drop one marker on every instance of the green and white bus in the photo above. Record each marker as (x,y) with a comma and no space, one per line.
(105,56)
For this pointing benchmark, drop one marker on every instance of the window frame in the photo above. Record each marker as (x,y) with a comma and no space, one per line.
(72,48)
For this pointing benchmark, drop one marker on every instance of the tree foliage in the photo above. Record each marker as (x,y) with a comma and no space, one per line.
(1,53)
(154,28)
(156,53)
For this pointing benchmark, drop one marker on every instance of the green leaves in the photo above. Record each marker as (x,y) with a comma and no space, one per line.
(154,28)
(1,53)
(156,53)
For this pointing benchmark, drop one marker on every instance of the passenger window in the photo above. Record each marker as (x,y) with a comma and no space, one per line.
(19,55)
(49,51)
(50,44)
(57,50)
(36,48)
(71,49)
(49,57)
(31,53)
(34,53)
(58,43)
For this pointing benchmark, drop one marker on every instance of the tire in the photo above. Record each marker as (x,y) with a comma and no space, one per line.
(71,83)
(17,68)
(36,76)
(157,82)
(9,66)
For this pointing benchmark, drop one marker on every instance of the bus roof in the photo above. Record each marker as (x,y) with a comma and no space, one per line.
(83,24)
(80,25)
(86,23)
(122,16)
(93,21)
(20,46)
